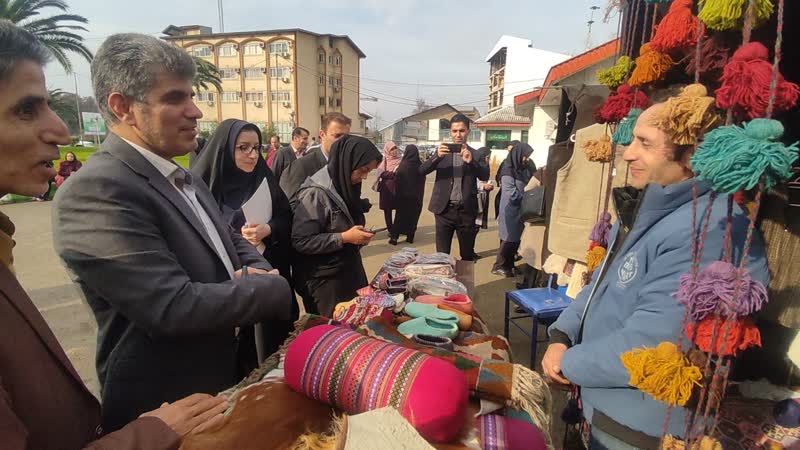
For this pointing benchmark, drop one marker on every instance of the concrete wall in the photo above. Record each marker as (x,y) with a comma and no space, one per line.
(539,135)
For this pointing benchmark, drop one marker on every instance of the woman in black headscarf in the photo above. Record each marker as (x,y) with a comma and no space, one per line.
(328,228)
(483,155)
(498,197)
(233,168)
(410,191)
(514,175)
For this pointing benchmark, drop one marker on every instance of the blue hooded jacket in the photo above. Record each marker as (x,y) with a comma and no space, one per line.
(633,305)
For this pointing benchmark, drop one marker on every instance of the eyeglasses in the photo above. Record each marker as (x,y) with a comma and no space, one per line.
(247,150)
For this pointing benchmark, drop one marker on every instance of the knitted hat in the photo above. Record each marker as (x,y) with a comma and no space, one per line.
(358,373)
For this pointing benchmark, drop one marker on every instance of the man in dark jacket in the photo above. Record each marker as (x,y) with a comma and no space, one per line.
(292,152)
(454,201)
(43,401)
(160,268)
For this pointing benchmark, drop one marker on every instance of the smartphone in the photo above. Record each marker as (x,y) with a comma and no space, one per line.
(454,148)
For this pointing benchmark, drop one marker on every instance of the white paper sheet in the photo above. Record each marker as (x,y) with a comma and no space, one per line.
(258,210)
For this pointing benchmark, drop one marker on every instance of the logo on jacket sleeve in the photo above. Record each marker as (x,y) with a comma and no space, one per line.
(628,269)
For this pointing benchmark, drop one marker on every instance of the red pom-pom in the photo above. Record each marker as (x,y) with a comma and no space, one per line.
(620,103)
(742,335)
(678,28)
(746,84)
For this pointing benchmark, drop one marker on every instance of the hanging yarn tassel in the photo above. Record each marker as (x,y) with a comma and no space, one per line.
(623,135)
(712,58)
(663,372)
(594,258)
(723,15)
(678,29)
(747,81)
(705,443)
(741,335)
(615,76)
(717,284)
(650,66)
(734,158)
(619,104)
(601,230)
(598,150)
(687,116)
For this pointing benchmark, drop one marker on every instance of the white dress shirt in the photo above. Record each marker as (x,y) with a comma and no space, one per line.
(169,169)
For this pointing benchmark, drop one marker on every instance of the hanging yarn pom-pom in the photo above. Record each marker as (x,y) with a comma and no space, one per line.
(594,258)
(687,116)
(741,335)
(623,135)
(678,28)
(717,284)
(601,230)
(705,443)
(615,76)
(723,15)
(662,372)
(713,57)
(598,150)
(619,104)
(734,158)
(747,81)
(650,66)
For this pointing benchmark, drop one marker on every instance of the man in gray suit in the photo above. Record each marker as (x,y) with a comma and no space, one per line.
(164,275)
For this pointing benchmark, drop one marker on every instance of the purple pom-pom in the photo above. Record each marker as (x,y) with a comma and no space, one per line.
(601,230)
(717,283)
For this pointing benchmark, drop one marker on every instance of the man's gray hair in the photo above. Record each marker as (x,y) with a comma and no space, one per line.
(17,44)
(130,64)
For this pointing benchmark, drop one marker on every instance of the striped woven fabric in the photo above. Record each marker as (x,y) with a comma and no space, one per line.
(492,432)
(359,373)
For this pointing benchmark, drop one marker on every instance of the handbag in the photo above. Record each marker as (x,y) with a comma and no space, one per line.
(532,209)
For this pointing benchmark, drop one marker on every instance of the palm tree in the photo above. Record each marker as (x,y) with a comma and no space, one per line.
(63,104)
(207,74)
(56,32)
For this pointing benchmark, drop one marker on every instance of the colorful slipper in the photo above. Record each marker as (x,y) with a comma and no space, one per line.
(460,302)
(464,319)
(429,326)
(434,341)
(415,310)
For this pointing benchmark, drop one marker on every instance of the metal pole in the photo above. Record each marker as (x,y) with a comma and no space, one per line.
(78,106)
(221,17)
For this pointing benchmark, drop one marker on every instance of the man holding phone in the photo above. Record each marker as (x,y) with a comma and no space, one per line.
(454,201)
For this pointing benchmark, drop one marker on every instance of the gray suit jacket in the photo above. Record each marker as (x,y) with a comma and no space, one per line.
(165,306)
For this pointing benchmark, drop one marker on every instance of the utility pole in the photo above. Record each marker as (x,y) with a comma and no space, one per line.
(221,17)
(589,23)
(78,105)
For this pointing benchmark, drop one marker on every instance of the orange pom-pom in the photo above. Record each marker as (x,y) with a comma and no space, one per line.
(650,66)
(678,28)
(742,335)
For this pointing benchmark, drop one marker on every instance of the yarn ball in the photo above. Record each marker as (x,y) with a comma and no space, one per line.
(623,135)
(747,84)
(722,15)
(619,104)
(594,258)
(715,286)
(601,230)
(678,29)
(598,150)
(357,373)
(688,116)
(662,372)
(736,158)
(712,58)
(742,334)
(650,66)
(615,76)
(499,432)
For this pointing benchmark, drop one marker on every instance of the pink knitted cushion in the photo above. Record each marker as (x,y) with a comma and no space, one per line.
(504,433)
(358,373)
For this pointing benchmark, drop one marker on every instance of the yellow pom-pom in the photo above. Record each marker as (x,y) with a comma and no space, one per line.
(594,258)
(687,117)
(722,15)
(662,372)
(598,150)
(650,66)
(615,76)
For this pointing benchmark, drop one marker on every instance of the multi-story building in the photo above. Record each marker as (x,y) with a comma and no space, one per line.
(515,66)
(285,78)
(429,127)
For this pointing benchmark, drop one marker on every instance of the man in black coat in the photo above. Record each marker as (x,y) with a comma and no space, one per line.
(454,201)
(292,152)
(159,267)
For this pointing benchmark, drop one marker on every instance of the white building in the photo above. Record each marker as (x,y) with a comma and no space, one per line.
(429,127)
(515,66)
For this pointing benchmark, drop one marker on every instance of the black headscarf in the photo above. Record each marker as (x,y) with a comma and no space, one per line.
(347,154)
(514,166)
(408,177)
(482,153)
(216,165)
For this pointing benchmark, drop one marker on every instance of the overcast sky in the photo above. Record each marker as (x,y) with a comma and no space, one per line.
(411,45)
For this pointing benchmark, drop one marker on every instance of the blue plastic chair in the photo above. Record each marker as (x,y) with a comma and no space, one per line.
(543,305)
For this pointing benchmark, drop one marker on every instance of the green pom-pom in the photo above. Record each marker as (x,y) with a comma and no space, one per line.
(735,158)
(615,76)
(624,132)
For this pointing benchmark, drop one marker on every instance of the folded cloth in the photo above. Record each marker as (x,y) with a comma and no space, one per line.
(357,312)
(435,286)
(444,343)
(429,326)
(416,309)
(392,284)
(461,302)
(382,428)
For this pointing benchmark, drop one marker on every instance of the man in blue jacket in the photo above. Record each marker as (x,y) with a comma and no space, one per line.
(630,301)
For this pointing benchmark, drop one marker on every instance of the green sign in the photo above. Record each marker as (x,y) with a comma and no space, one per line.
(93,124)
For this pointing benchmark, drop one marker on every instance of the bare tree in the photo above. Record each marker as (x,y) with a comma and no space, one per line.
(422,105)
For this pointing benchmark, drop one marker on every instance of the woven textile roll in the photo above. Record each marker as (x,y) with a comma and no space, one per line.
(357,374)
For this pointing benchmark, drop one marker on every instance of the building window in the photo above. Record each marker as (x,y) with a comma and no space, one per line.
(206,125)
(203,97)
(227,50)
(252,97)
(279,72)
(201,51)
(330,59)
(322,80)
(524,137)
(338,103)
(279,47)
(330,81)
(321,58)
(281,96)
(254,72)
(231,97)
(330,102)
(227,74)
(253,49)
(322,101)
(284,130)
(363,124)
(474,135)
(337,60)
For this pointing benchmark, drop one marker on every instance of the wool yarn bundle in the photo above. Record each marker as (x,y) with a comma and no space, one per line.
(721,15)
(623,135)
(651,66)
(619,104)
(662,372)
(687,116)
(615,76)
(678,29)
